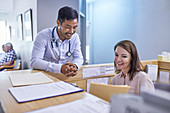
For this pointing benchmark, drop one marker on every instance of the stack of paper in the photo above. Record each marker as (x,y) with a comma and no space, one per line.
(86,105)
(35,92)
(164,77)
(152,71)
(29,79)
(96,71)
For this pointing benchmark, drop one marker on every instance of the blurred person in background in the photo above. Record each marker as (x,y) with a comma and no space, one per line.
(10,55)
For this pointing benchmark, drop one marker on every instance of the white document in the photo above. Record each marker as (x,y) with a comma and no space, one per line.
(90,72)
(29,79)
(110,69)
(164,76)
(152,71)
(104,80)
(86,105)
(35,92)
(96,71)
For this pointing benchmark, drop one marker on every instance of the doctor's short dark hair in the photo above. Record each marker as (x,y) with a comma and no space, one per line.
(67,13)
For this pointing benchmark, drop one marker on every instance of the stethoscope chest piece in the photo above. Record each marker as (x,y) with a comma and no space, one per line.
(53,40)
(68,54)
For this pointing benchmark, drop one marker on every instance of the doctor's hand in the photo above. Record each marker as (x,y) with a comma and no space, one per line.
(69,69)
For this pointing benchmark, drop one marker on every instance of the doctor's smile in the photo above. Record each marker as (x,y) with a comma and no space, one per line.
(67,28)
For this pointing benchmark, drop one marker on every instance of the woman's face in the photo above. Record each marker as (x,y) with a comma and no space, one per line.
(122,59)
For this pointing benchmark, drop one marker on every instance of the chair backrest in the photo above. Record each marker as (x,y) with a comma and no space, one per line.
(17,64)
(105,91)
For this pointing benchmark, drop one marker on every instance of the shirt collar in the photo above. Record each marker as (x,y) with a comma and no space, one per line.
(122,76)
(10,50)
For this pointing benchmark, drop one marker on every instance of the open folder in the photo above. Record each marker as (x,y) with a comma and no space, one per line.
(35,92)
(29,79)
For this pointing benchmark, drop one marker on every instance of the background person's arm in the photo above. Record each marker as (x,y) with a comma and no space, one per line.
(7,63)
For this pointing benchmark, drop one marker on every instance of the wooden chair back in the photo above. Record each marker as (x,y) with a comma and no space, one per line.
(105,91)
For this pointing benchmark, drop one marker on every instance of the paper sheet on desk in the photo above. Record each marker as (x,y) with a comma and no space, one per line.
(86,105)
(35,92)
(164,76)
(96,71)
(152,71)
(29,79)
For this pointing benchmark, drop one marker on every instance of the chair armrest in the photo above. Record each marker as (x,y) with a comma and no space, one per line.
(10,69)
(7,67)
(2,67)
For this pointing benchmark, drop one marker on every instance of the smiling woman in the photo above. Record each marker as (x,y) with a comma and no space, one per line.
(129,66)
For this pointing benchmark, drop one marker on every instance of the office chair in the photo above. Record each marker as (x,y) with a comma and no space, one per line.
(15,66)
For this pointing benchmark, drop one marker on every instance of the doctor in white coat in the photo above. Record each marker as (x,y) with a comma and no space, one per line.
(53,47)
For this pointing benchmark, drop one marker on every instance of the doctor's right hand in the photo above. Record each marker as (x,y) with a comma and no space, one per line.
(69,69)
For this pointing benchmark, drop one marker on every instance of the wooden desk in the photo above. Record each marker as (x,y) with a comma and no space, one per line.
(78,79)
(10,105)
(82,82)
(164,65)
(145,62)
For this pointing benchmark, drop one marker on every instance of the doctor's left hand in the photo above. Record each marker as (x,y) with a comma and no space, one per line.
(69,69)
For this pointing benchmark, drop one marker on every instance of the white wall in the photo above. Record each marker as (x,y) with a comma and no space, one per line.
(145,22)
(152,27)
(47,11)
(6,6)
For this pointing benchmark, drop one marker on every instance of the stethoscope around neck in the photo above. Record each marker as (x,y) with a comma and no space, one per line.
(53,40)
